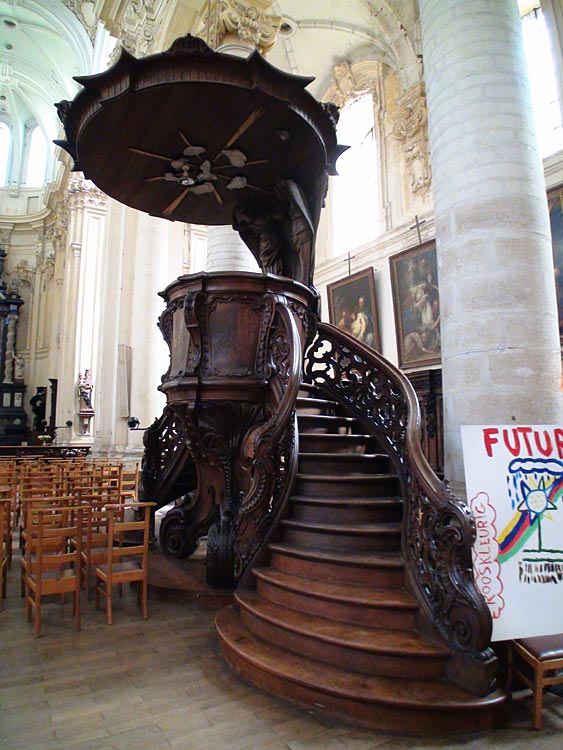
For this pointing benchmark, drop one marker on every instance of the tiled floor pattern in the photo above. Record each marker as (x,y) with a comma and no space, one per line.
(161,684)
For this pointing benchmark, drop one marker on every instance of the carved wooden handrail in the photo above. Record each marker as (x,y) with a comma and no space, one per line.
(270,450)
(166,454)
(438,528)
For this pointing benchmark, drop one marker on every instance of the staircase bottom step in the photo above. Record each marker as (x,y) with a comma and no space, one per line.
(415,707)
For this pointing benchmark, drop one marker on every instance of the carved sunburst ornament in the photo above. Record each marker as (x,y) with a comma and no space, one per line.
(194,171)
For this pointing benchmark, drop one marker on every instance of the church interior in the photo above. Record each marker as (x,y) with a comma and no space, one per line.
(280,254)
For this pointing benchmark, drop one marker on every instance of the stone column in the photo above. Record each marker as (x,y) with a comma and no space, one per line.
(227,252)
(500,342)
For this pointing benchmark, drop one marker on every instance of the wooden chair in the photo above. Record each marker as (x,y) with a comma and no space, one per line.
(544,655)
(54,505)
(5,541)
(125,562)
(95,538)
(52,564)
(129,490)
(8,508)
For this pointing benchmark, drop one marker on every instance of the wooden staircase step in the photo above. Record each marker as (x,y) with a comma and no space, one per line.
(346,510)
(329,485)
(406,705)
(307,389)
(381,651)
(390,608)
(323,423)
(381,569)
(316,442)
(350,463)
(306,405)
(359,537)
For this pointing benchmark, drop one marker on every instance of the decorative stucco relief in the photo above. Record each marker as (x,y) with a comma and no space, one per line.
(353,80)
(83,10)
(45,264)
(410,128)
(21,274)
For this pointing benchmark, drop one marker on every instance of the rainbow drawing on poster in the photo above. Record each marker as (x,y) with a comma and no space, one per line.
(514,480)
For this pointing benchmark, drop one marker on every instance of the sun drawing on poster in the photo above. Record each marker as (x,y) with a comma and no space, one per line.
(535,487)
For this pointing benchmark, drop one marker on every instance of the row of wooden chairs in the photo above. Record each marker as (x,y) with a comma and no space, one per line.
(37,477)
(64,543)
(62,492)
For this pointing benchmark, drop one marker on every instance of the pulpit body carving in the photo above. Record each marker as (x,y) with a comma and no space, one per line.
(249,332)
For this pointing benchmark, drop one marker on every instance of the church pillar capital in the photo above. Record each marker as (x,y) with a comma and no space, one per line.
(248,24)
(84,194)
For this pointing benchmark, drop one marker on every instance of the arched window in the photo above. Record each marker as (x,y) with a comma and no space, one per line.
(541,68)
(355,192)
(36,164)
(5,147)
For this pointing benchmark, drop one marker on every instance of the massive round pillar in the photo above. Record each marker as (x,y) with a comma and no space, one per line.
(500,347)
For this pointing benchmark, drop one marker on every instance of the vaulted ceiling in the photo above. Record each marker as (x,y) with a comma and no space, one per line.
(42,46)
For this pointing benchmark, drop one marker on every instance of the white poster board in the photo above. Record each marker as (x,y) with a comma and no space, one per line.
(514,479)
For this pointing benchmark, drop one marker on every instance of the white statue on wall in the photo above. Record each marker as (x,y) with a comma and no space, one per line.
(85,388)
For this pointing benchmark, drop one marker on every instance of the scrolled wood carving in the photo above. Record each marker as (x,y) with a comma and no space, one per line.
(439,529)
(270,449)
(165,453)
(166,325)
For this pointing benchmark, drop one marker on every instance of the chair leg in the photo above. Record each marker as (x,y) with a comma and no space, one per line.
(143,590)
(510,662)
(538,696)
(37,617)
(77,608)
(109,612)
(28,602)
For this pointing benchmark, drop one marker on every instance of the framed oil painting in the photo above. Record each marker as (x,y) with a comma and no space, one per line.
(351,307)
(555,203)
(414,279)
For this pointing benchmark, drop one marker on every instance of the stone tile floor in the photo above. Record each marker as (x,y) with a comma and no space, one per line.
(161,684)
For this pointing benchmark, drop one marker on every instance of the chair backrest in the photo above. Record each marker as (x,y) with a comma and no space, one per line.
(128,538)
(129,491)
(53,504)
(48,545)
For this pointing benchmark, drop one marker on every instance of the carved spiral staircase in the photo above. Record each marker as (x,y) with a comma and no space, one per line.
(352,561)
(357,598)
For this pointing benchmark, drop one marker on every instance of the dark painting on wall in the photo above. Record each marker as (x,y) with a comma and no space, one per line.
(414,279)
(351,307)
(555,203)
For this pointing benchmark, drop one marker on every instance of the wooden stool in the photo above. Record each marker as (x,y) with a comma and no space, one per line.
(544,654)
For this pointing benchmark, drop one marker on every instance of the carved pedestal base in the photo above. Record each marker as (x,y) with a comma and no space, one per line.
(85,417)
